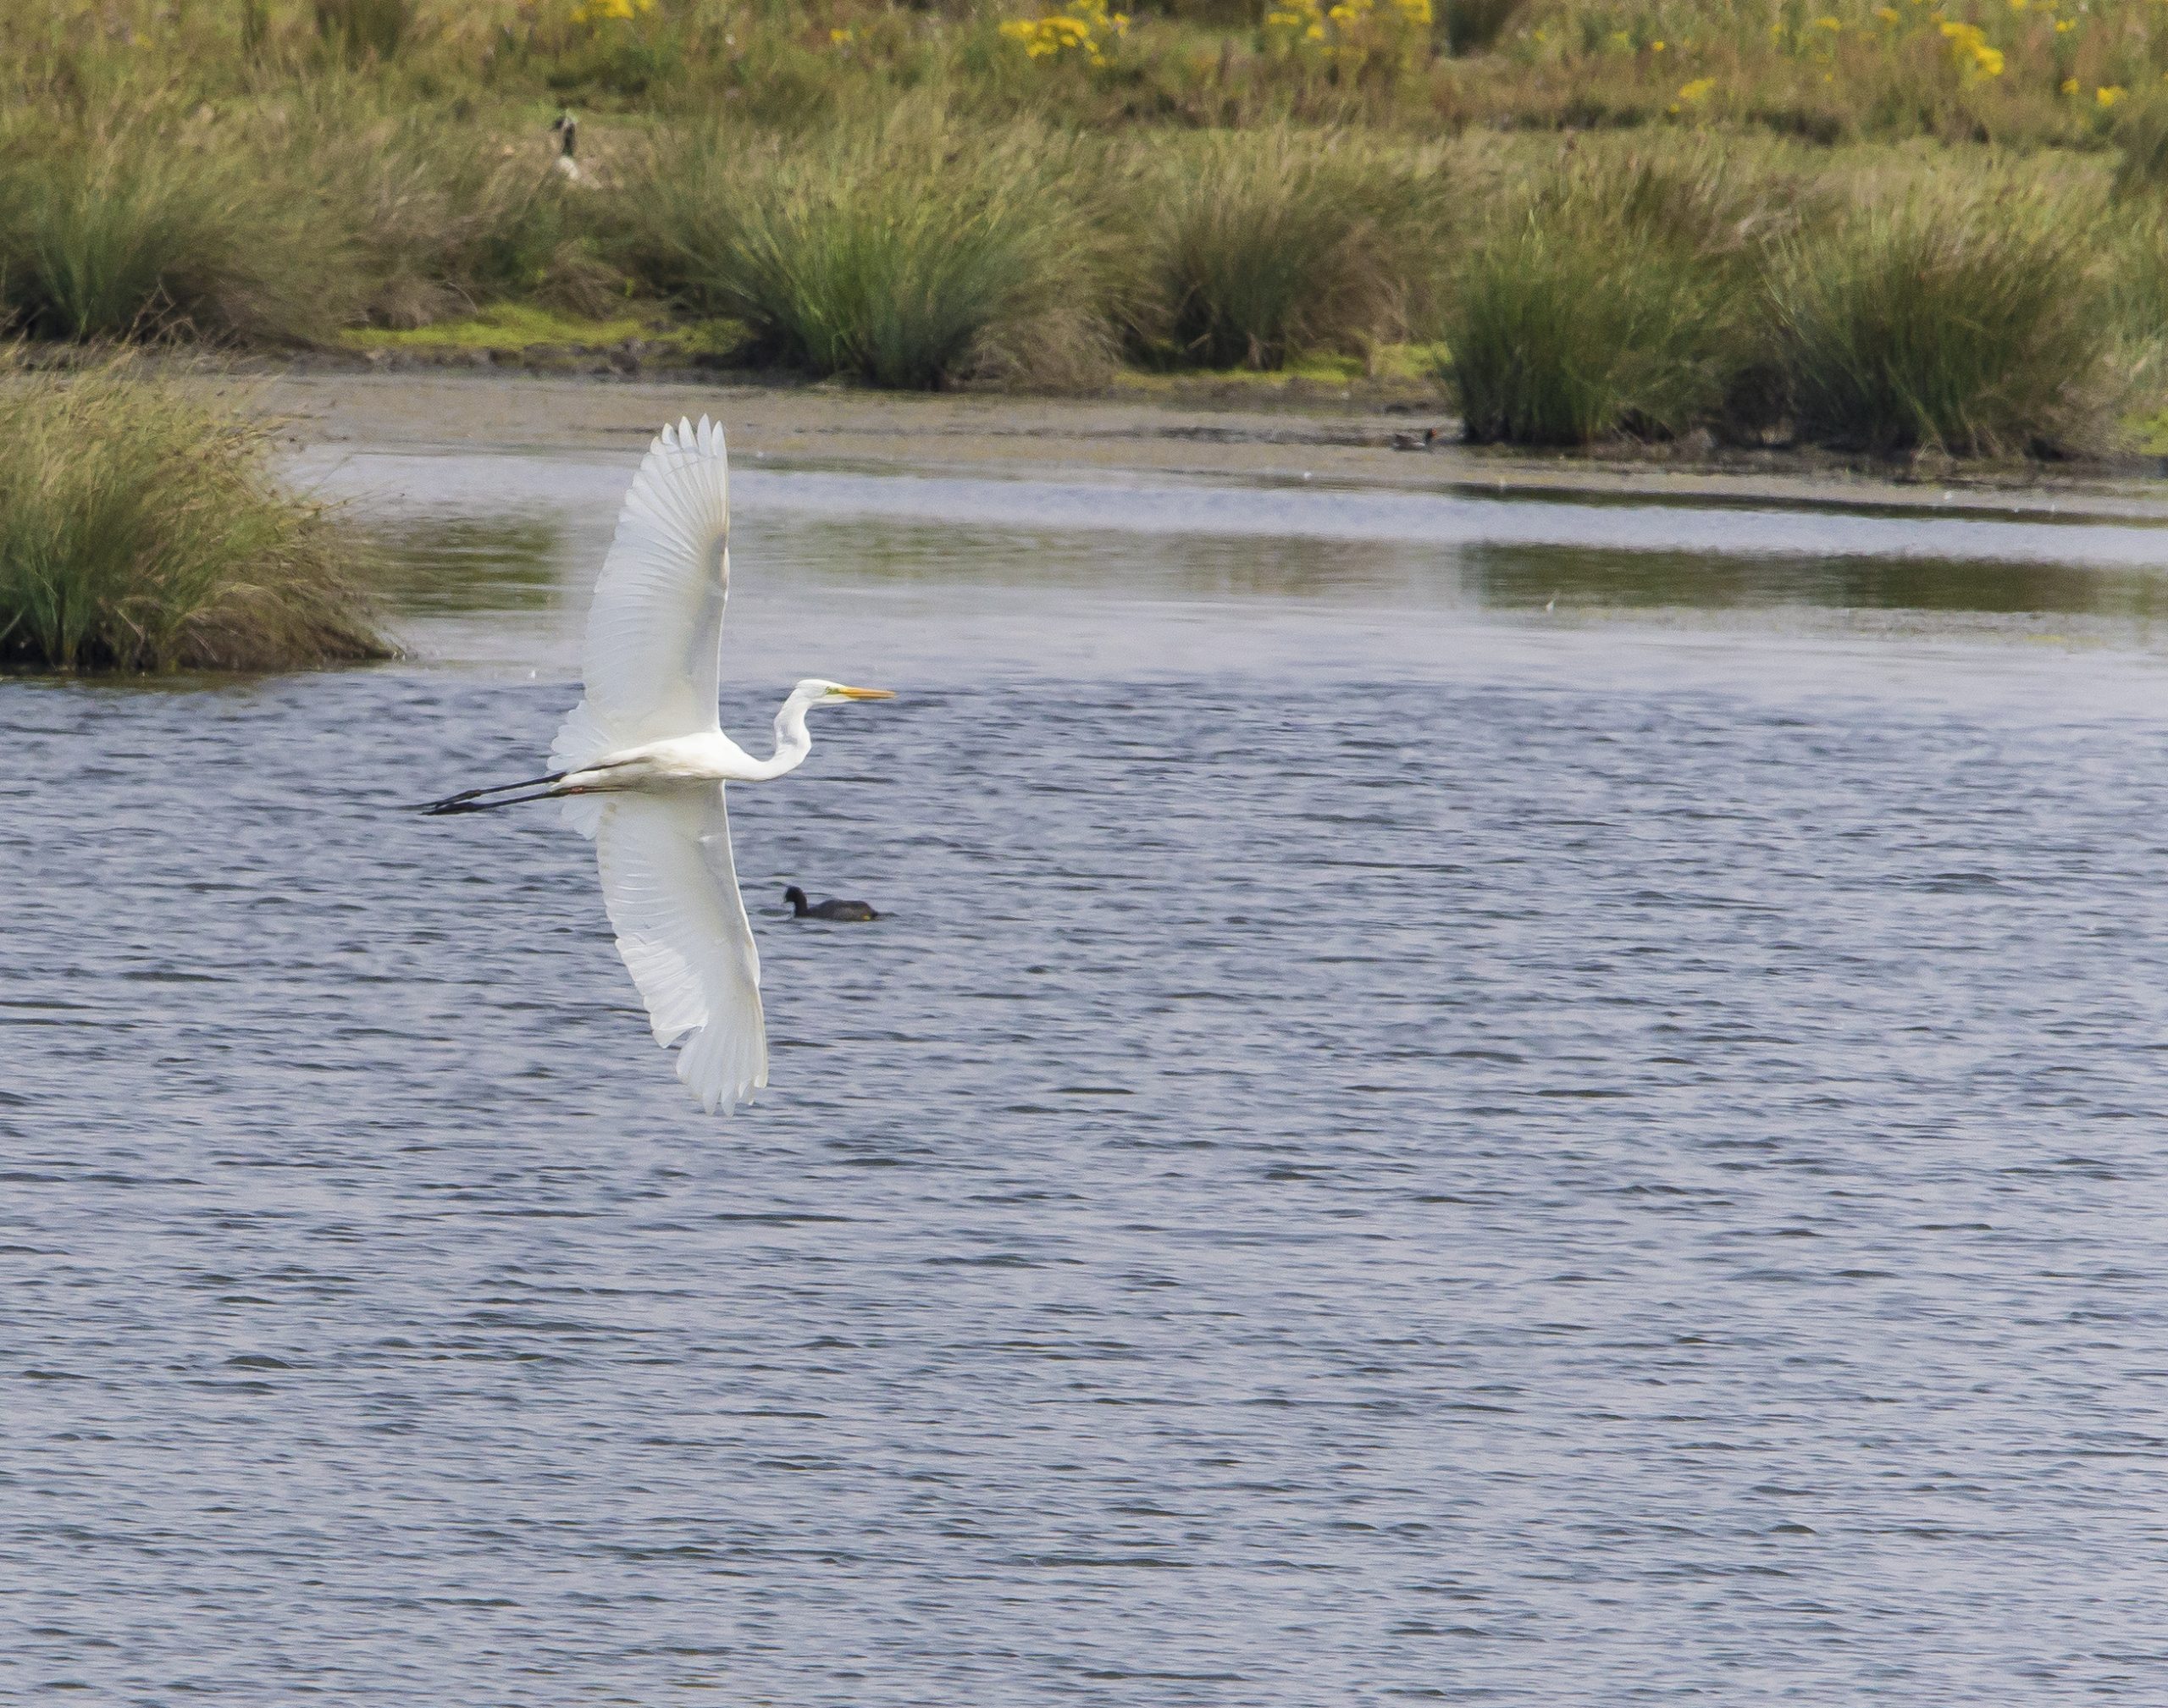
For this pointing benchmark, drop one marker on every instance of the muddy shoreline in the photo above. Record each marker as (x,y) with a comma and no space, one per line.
(1289,437)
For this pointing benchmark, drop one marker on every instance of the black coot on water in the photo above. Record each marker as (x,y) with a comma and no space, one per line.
(804,910)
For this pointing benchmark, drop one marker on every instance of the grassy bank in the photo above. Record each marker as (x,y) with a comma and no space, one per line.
(1647,218)
(2045,72)
(140,531)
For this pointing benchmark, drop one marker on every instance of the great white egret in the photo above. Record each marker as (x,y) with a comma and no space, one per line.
(642,761)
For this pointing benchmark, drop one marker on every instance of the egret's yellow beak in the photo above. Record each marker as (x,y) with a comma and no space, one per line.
(867,692)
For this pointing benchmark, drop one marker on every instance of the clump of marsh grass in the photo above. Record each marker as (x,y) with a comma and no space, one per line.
(1703,200)
(356,28)
(442,214)
(1259,245)
(1617,303)
(1976,329)
(140,531)
(285,220)
(2137,292)
(142,231)
(2140,136)
(1470,26)
(1562,334)
(901,253)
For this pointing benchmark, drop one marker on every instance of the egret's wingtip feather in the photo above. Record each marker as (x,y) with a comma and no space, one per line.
(650,660)
(672,893)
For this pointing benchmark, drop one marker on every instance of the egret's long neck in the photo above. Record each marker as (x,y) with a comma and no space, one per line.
(793,741)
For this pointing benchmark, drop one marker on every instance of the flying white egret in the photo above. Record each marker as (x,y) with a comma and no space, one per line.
(641,765)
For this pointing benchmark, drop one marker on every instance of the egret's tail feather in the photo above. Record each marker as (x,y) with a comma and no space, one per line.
(581,741)
(462,802)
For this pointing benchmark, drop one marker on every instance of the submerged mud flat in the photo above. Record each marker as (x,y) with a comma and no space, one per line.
(1353,442)
(1461,1099)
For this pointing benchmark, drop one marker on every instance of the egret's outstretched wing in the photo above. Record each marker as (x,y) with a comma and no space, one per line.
(672,895)
(654,633)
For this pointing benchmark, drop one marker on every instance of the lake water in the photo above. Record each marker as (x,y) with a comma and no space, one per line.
(1463,1099)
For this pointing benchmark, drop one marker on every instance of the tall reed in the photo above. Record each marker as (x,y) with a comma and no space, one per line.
(140,531)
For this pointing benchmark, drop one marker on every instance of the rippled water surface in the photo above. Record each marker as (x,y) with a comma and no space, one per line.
(1463,1099)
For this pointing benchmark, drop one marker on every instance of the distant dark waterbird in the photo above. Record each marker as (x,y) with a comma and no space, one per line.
(566,129)
(803,910)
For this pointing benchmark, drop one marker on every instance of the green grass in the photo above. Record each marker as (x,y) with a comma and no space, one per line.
(141,232)
(1975,328)
(281,222)
(1469,26)
(364,28)
(1588,202)
(1613,305)
(140,531)
(527,328)
(441,213)
(903,254)
(1262,247)
(507,327)
(1835,70)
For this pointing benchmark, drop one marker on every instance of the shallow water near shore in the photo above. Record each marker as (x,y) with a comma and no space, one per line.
(1463,1099)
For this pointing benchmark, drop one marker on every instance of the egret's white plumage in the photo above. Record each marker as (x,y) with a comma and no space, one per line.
(672,896)
(641,763)
(653,660)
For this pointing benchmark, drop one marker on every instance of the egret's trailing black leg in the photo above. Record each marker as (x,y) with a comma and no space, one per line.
(439,808)
(451,801)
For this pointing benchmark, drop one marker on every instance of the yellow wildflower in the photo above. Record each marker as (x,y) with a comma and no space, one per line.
(1827,23)
(2070,86)
(2064,25)
(1078,29)
(1348,30)
(841,38)
(1695,93)
(2109,95)
(1969,42)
